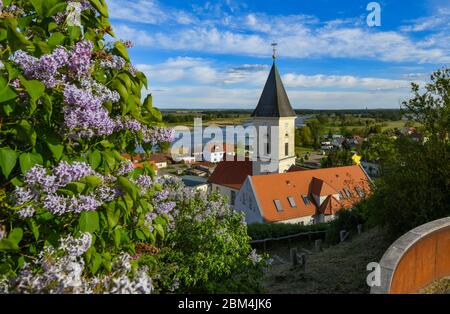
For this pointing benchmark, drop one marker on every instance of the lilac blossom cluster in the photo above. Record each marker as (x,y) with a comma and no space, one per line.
(83,5)
(125,168)
(46,68)
(150,135)
(40,190)
(254,257)
(62,270)
(113,62)
(84,115)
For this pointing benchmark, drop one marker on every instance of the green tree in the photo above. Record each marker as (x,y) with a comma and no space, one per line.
(415,188)
(303,136)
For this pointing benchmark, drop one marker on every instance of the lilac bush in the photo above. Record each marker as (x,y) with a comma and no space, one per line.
(76,216)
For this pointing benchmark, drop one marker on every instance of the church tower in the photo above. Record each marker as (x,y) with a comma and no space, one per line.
(274,120)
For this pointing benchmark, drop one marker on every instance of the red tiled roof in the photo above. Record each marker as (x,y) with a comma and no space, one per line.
(301,183)
(231,174)
(158,158)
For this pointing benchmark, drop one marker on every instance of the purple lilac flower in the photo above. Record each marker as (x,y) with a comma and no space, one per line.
(113,63)
(155,135)
(26,212)
(125,168)
(148,218)
(128,43)
(161,196)
(23,195)
(80,59)
(76,246)
(106,193)
(132,69)
(165,208)
(85,114)
(254,257)
(45,68)
(144,182)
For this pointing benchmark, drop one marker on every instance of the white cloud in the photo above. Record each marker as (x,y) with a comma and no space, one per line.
(211,86)
(147,12)
(345,82)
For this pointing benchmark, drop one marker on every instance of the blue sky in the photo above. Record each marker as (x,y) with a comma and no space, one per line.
(217,54)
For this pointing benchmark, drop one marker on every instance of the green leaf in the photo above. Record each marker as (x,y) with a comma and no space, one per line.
(117,236)
(121,50)
(100,6)
(34,228)
(8,245)
(55,146)
(156,114)
(148,102)
(76,187)
(56,39)
(54,9)
(29,160)
(8,159)
(96,263)
(34,88)
(74,32)
(123,92)
(110,160)
(37,4)
(26,133)
(95,158)
(159,229)
(89,222)
(113,216)
(16,235)
(16,40)
(92,181)
(128,187)
(6,92)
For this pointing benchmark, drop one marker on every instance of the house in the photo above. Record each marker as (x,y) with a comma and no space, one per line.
(160,160)
(195,182)
(355,141)
(306,197)
(338,141)
(326,145)
(217,152)
(229,176)
(186,159)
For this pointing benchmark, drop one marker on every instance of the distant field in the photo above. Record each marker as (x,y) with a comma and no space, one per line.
(219,122)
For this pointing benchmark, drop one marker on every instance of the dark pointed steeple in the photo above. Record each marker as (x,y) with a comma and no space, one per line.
(274,101)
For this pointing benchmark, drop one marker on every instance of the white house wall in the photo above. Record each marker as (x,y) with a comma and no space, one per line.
(246,202)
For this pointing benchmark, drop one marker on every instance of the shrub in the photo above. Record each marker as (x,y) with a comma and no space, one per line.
(258,231)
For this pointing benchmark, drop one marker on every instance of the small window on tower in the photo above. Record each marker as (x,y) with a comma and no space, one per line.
(286,149)
(268,148)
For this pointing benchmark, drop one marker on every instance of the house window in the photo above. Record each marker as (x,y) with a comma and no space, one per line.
(341,196)
(233,197)
(360,192)
(278,205)
(286,149)
(348,193)
(292,202)
(305,199)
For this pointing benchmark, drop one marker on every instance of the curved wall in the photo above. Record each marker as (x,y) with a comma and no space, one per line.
(416,259)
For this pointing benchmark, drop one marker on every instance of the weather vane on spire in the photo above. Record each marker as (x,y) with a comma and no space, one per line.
(274,46)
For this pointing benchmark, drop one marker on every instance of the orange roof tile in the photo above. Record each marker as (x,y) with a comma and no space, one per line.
(298,184)
(231,174)
(319,187)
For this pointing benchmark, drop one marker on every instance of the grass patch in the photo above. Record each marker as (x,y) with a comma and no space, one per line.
(338,269)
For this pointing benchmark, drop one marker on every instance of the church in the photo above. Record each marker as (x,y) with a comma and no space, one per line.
(273,190)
